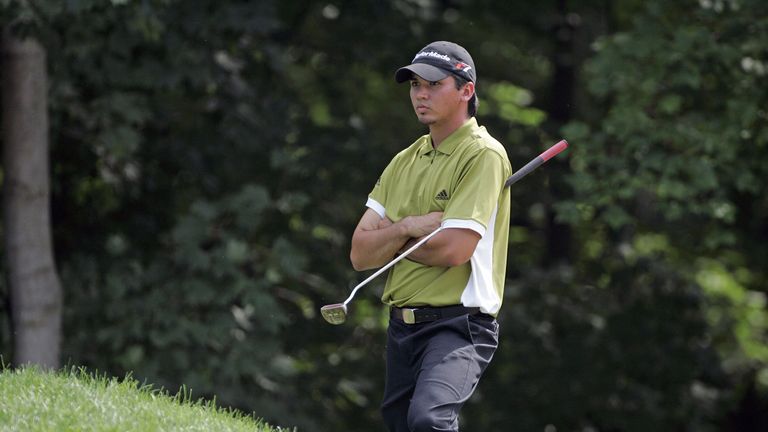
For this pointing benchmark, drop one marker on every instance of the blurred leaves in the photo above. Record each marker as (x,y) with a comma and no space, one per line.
(737,315)
(511,103)
(664,136)
(610,356)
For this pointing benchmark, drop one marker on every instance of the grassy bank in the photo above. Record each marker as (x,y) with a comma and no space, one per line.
(31,400)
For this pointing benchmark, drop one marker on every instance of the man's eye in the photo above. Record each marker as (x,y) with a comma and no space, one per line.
(434,83)
(414,83)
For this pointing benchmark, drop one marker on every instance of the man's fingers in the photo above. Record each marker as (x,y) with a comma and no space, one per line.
(419,226)
(384,222)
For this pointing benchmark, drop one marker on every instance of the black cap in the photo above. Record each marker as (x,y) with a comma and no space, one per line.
(438,60)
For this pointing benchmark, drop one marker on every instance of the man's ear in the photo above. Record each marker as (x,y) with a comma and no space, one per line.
(468,91)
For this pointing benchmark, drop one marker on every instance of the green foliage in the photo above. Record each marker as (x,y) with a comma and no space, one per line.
(510,102)
(77,400)
(685,129)
(612,355)
(737,317)
(672,166)
(204,314)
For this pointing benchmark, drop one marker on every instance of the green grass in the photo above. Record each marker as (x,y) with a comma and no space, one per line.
(31,400)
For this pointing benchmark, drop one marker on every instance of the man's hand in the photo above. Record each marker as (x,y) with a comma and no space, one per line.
(419,226)
(384,223)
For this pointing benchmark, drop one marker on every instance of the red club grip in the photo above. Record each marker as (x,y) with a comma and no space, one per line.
(554,150)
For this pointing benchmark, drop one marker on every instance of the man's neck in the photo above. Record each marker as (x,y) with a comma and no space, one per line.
(439,133)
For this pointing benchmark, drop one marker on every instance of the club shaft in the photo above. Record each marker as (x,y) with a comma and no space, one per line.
(522,172)
(536,162)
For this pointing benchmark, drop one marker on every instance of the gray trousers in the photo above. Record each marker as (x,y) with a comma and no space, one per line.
(433,368)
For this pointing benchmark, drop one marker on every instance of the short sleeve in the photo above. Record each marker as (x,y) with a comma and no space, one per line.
(476,196)
(377,198)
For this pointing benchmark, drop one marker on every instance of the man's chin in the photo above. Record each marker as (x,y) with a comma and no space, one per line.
(425,120)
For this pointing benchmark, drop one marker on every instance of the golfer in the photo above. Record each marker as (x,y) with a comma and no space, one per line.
(445,295)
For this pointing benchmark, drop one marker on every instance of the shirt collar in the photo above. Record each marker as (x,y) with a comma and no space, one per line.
(452,141)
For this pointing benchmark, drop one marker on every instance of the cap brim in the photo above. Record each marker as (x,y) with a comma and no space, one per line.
(427,72)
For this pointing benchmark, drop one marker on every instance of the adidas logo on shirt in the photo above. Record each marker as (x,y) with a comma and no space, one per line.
(442,196)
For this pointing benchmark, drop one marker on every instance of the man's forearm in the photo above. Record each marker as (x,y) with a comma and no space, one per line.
(375,247)
(449,248)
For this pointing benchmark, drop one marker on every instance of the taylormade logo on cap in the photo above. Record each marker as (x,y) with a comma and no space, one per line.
(431,54)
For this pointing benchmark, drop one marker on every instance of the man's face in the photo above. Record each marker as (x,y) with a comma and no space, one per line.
(438,101)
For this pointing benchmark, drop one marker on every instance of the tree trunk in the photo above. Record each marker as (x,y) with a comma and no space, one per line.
(35,289)
(559,235)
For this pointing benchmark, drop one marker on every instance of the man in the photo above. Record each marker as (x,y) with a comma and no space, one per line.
(445,296)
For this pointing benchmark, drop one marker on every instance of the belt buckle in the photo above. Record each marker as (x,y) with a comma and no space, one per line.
(409,316)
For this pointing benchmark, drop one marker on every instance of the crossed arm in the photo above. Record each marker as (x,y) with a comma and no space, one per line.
(376,240)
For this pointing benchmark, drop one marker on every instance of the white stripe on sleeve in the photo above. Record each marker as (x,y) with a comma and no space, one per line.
(466,224)
(375,206)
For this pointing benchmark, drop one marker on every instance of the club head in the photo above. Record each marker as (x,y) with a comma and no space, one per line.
(334,313)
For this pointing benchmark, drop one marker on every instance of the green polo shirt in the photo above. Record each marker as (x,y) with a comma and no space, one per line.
(464,179)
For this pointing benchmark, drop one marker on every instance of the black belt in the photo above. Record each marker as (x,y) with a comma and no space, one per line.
(427,314)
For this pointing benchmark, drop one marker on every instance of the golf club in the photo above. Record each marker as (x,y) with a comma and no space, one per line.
(337,313)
